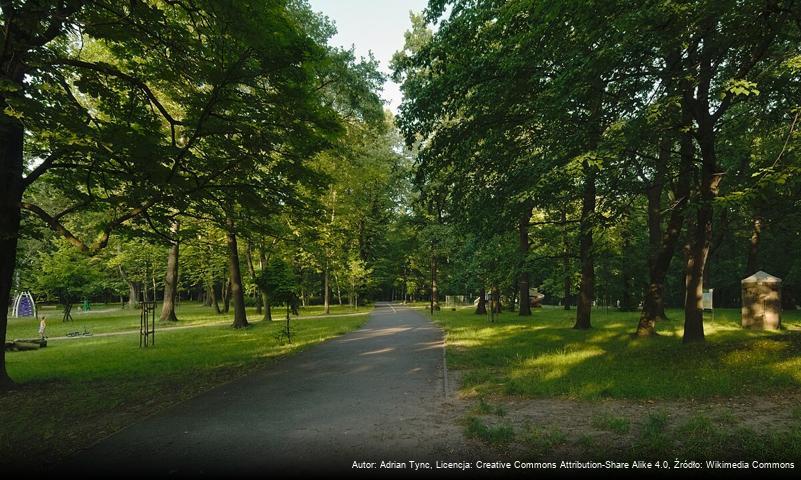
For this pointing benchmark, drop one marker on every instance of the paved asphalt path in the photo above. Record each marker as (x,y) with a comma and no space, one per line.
(377,393)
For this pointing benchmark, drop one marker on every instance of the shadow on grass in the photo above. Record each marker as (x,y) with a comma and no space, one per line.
(76,391)
(543,355)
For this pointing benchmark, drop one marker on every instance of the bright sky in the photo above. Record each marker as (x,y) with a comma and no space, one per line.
(372,25)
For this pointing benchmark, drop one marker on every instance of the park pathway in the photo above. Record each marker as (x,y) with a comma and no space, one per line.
(378,393)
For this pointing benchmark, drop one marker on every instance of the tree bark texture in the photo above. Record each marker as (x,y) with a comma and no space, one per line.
(752,265)
(171,279)
(215,298)
(567,285)
(523,246)
(326,290)
(587,219)
(702,235)
(587,287)
(226,293)
(133,288)
(268,314)
(252,271)
(208,293)
(237,295)
(434,289)
(11,144)
(662,244)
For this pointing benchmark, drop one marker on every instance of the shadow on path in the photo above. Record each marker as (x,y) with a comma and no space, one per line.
(377,393)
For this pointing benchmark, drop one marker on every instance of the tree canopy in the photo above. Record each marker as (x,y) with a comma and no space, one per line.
(616,153)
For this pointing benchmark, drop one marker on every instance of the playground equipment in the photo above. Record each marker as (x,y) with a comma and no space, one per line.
(24,306)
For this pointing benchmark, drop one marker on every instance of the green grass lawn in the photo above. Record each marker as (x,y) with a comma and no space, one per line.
(112,318)
(541,390)
(543,355)
(76,391)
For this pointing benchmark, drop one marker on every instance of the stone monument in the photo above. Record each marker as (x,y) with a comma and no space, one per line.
(762,301)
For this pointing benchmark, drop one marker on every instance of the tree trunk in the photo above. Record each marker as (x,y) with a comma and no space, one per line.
(339,292)
(215,297)
(326,290)
(21,35)
(752,265)
(405,283)
(67,313)
(627,301)
(694,294)
(481,308)
(586,289)
(566,273)
(134,293)
(663,245)
(523,283)
(11,144)
(702,238)
(268,314)
(252,271)
(587,219)
(208,295)
(226,292)
(434,290)
(698,98)
(237,293)
(133,289)
(171,279)
(653,301)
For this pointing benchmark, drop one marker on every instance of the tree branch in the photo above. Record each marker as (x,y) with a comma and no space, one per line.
(102,240)
(553,222)
(54,225)
(44,166)
(109,69)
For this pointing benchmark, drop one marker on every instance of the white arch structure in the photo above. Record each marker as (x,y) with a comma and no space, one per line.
(18,300)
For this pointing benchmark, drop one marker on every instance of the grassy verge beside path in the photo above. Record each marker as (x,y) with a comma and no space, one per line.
(534,388)
(543,355)
(73,393)
(112,318)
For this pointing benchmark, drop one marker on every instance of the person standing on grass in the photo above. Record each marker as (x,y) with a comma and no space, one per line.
(42,327)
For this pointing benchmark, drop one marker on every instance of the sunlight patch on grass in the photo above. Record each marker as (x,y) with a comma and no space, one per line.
(78,390)
(555,365)
(542,355)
